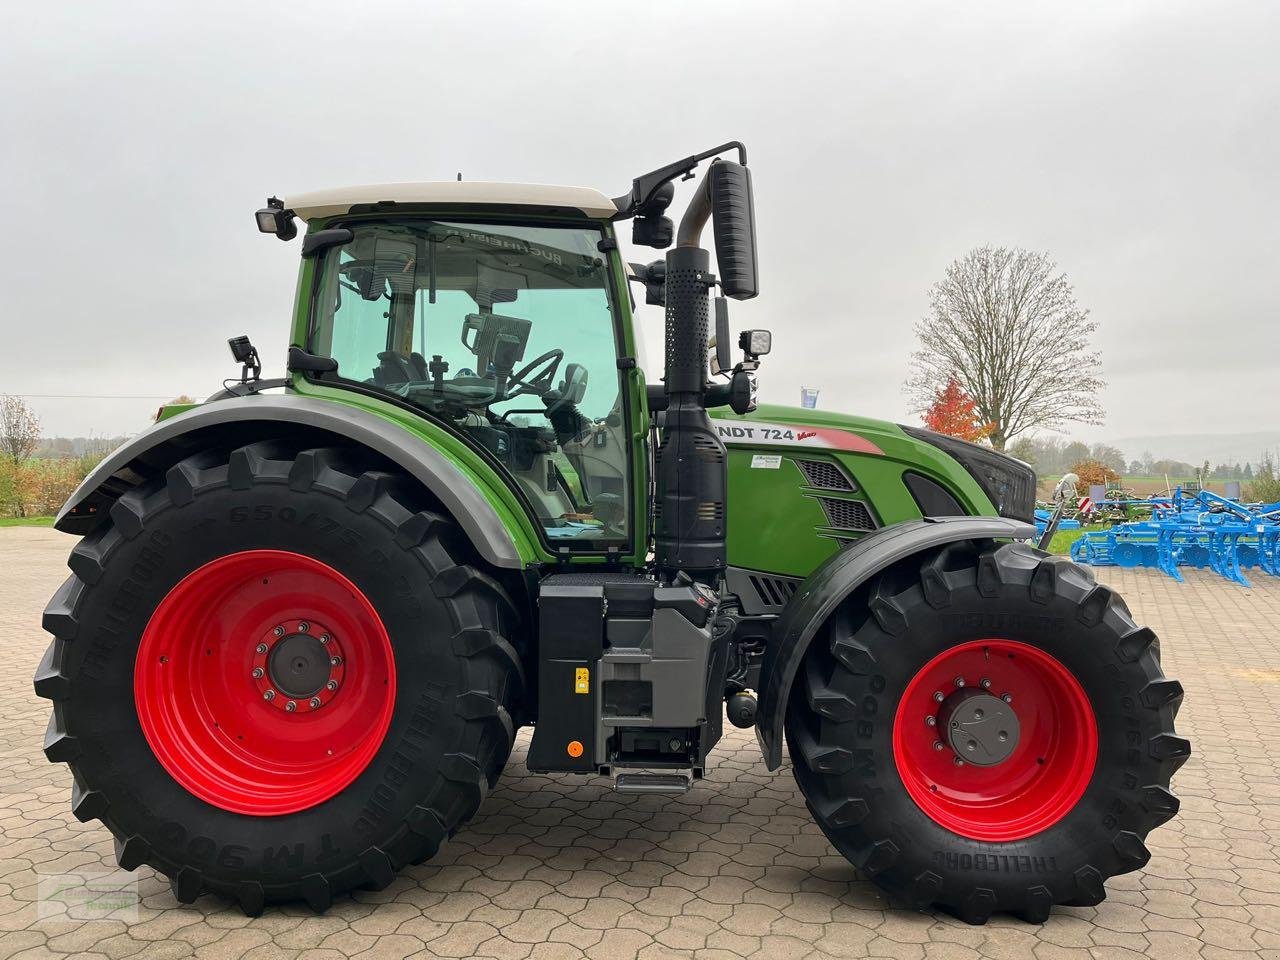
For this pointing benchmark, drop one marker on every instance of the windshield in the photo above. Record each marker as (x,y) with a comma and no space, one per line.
(506,333)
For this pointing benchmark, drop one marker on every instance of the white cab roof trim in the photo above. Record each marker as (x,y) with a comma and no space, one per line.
(328,203)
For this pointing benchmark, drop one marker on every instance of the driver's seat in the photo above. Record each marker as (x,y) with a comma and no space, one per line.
(394,368)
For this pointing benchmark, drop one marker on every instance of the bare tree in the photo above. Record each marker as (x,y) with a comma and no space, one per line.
(1006,325)
(19,429)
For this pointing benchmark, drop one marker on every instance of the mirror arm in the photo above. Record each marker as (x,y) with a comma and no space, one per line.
(724,358)
(695,217)
(739,394)
(645,186)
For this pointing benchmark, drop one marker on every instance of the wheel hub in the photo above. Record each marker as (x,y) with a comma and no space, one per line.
(298,666)
(980,728)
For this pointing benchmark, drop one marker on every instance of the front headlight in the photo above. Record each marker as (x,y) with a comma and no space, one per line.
(1008,483)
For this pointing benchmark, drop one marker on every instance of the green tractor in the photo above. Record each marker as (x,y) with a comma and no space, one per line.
(307,617)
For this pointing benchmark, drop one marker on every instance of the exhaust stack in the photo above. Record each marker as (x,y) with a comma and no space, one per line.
(691,474)
(690,471)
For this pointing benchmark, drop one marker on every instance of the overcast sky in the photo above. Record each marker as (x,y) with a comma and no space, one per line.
(1137,143)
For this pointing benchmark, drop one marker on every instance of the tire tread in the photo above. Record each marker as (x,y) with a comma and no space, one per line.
(486,615)
(839,666)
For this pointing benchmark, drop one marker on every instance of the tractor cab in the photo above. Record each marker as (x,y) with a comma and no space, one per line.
(507,330)
(508,333)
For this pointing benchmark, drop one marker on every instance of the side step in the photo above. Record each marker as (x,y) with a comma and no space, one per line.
(673,784)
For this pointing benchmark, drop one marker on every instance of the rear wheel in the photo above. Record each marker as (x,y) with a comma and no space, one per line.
(988,731)
(276,676)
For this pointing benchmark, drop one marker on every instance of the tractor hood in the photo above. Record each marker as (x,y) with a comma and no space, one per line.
(982,480)
(772,425)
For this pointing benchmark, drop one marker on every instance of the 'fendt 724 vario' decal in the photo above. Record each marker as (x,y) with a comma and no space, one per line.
(754,433)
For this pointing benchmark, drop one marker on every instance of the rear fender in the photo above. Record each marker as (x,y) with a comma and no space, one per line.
(170,440)
(828,586)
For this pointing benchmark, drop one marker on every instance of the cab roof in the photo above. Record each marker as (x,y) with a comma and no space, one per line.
(328,203)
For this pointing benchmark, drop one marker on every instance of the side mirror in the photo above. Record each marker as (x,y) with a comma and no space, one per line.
(734,224)
(655,284)
(742,392)
(650,228)
(652,232)
(654,278)
(574,386)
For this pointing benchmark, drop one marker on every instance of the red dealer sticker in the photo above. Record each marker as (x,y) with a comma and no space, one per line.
(754,433)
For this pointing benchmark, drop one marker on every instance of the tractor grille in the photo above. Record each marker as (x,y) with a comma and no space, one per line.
(847,514)
(824,475)
(773,591)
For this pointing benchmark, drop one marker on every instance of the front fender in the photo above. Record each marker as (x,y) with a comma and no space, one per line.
(455,490)
(841,574)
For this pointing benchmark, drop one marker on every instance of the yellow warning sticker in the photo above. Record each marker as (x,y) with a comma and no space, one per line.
(582,680)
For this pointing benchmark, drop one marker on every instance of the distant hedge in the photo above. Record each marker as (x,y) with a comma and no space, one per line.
(39,487)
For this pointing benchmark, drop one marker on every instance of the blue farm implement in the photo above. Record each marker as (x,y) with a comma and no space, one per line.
(1202,530)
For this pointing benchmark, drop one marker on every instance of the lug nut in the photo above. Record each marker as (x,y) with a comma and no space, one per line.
(291,706)
(331,685)
(335,661)
(315,702)
(325,638)
(1007,698)
(278,631)
(959,681)
(261,648)
(938,696)
(303,626)
(957,761)
(257,673)
(930,721)
(268,694)
(937,744)
(986,684)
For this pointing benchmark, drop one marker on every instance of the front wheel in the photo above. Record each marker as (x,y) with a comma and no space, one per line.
(988,731)
(277,675)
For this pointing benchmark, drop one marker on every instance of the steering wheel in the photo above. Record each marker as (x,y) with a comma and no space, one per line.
(542,382)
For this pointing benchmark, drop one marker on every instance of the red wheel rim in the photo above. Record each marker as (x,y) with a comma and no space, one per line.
(1043,776)
(225,654)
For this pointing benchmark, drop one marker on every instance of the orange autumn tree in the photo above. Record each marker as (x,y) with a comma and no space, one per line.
(954,413)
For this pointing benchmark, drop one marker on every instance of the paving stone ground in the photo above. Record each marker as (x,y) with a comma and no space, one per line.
(554,866)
